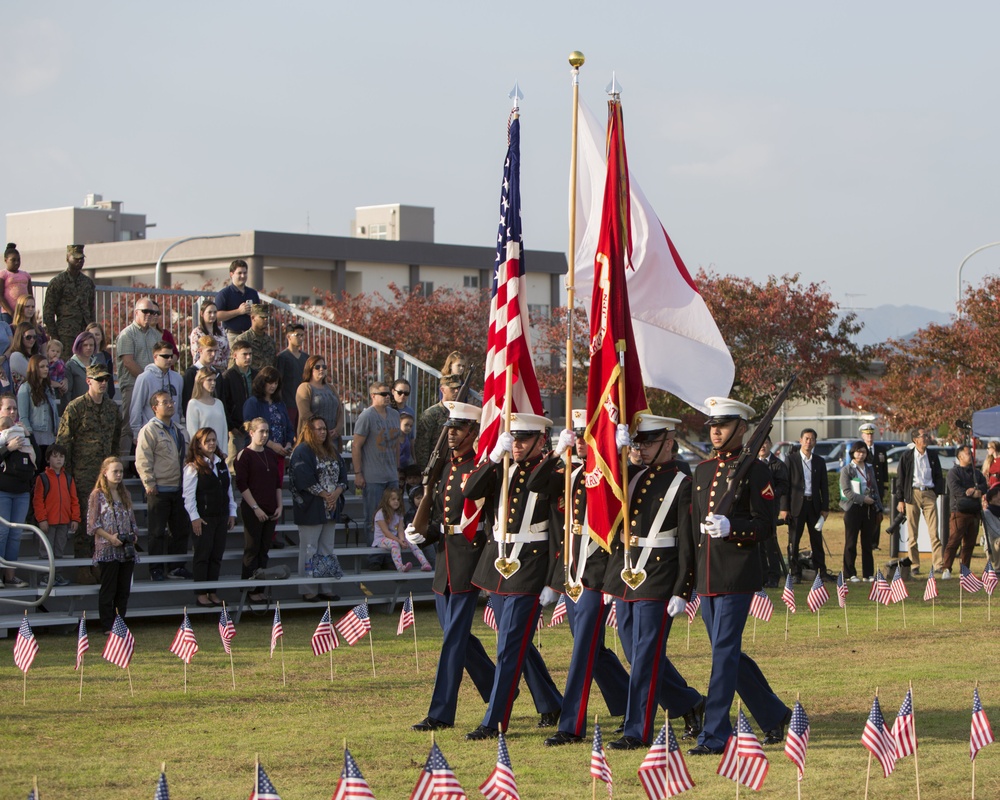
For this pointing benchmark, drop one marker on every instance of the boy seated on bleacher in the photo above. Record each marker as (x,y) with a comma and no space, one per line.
(56,505)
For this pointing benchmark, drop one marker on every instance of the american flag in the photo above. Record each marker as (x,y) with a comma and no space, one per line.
(277,631)
(878,740)
(880,593)
(663,772)
(488,616)
(120,645)
(788,593)
(797,738)
(744,752)
(612,620)
(405,616)
(32,795)
(264,789)
(227,630)
(599,767)
(500,785)
(352,784)
(969,582)
(818,595)
(904,732)
(82,642)
(989,579)
(184,645)
(841,590)
(982,733)
(761,606)
(507,340)
(559,612)
(325,637)
(355,624)
(25,646)
(162,792)
(437,780)
(692,608)
(930,590)
(897,589)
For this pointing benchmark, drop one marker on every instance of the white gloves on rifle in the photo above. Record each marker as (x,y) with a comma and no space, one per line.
(716,526)
(505,444)
(676,606)
(567,439)
(622,437)
(414,538)
(548,596)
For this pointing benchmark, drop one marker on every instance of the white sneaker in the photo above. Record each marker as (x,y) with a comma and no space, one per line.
(946,574)
(854,579)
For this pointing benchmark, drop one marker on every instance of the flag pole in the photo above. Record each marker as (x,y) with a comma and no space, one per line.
(689,635)
(960,603)
(902,604)
(973,760)
(502,564)
(34,785)
(787,610)
(416,657)
(847,626)
(371,643)
(753,639)
(916,764)
(256,772)
(576,61)
(817,622)
(877,604)
(82,659)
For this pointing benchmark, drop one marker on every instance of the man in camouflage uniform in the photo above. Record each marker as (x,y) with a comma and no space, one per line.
(69,300)
(264,351)
(432,420)
(89,429)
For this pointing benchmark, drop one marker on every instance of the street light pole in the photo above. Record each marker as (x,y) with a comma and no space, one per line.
(161,271)
(958,298)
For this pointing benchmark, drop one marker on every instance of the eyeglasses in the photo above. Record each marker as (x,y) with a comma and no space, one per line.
(380,394)
(152,312)
(28,338)
(320,367)
(103,379)
(644,445)
(400,391)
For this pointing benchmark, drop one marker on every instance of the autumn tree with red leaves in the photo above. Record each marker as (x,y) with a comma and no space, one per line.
(943,373)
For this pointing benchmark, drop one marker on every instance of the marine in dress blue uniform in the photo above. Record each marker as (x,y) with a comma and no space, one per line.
(591,659)
(658,517)
(515,598)
(454,595)
(728,573)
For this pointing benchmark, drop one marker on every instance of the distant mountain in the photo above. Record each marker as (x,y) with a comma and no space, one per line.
(896,322)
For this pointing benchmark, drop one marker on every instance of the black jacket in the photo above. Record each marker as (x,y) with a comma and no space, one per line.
(797,484)
(904,476)
(779,480)
(234,395)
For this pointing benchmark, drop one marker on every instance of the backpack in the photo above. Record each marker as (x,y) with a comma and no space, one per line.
(47,487)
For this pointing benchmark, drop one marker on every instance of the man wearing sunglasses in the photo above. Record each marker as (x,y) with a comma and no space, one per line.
(69,300)
(375,455)
(157,377)
(133,353)
(90,428)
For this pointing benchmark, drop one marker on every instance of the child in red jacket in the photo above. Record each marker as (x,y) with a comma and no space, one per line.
(57,508)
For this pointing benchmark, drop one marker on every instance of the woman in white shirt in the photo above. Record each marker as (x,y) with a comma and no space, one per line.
(205,410)
(209,501)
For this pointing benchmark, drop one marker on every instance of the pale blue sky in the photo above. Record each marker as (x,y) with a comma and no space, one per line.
(855,142)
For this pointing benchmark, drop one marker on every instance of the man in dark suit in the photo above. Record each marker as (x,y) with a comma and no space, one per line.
(808,503)
(236,388)
(919,481)
(457,556)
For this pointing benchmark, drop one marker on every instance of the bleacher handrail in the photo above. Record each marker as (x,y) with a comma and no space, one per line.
(49,568)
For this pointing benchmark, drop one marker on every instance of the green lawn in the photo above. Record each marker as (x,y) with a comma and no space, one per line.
(111,745)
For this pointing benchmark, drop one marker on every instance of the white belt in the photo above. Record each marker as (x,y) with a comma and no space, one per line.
(659,541)
(539,532)
(648,544)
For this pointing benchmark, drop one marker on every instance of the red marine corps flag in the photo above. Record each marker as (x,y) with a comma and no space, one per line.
(614,386)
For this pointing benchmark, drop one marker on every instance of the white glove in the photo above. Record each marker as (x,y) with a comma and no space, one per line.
(676,606)
(505,444)
(716,526)
(414,538)
(548,596)
(622,437)
(567,439)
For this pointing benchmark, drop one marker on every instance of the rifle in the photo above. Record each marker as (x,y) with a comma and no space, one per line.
(435,466)
(739,471)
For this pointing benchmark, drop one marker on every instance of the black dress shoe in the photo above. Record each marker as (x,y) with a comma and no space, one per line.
(429,724)
(481,733)
(693,720)
(562,737)
(627,743)
(704,750)
(549,719)
(777,735)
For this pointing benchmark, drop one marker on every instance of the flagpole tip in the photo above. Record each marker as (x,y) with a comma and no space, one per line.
(576,59)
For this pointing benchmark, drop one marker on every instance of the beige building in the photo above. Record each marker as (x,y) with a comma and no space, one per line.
(391,244)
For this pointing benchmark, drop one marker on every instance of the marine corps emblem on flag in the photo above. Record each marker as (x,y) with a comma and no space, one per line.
(767,492)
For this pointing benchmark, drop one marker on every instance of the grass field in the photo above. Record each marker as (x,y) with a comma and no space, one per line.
(111,745)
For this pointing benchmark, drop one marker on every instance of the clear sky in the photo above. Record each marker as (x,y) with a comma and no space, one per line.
(853,142)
